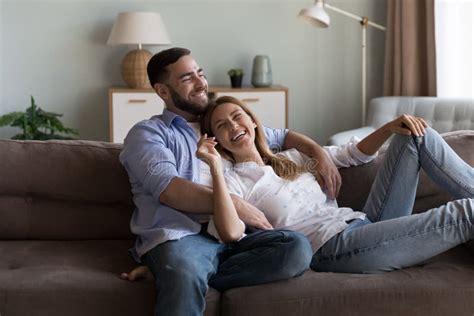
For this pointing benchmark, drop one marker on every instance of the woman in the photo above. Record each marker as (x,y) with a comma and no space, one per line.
(384,236)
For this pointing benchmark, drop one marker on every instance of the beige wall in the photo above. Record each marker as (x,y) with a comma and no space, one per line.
(55,50)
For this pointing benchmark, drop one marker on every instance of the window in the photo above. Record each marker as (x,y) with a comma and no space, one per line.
(454,48)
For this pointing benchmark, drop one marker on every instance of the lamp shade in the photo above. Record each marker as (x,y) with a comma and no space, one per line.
(315,15)
(139,28)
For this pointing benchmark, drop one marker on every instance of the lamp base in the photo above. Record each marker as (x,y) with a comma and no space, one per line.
(133,69)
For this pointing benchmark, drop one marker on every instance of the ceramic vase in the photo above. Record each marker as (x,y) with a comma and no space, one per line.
(261,71)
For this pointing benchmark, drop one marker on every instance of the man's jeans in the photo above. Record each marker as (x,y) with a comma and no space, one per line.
(183,268)
(391,238)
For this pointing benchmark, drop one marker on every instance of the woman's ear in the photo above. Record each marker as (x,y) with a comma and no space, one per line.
(254,124)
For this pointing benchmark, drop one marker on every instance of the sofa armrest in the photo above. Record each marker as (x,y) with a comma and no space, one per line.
(344,137)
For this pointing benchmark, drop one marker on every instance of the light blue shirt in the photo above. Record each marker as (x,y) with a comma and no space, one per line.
(155,151)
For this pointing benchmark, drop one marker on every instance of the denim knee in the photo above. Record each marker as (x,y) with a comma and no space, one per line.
(297,254)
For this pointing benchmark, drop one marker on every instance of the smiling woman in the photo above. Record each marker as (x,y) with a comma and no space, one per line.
(239,129)
(286,191)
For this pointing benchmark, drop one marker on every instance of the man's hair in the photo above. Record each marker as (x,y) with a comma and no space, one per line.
(157,66)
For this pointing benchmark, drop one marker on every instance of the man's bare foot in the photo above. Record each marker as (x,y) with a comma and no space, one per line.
(140,272)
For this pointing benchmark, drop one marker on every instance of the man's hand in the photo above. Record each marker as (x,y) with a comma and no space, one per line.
(250,215)
(326,174)
(321,166)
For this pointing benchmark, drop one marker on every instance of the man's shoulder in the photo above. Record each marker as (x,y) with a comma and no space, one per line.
(155,121)
(153,124)
(151,128)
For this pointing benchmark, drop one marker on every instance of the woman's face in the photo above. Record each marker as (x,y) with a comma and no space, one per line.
(233,127)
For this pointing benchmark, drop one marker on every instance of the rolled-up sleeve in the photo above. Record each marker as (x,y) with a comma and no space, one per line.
(276,138)
(348,154)
(147,159)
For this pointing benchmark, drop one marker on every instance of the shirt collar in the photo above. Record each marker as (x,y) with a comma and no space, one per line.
(169,117)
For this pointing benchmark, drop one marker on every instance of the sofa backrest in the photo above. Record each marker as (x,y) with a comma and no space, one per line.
(442,114)
(63,190)
(356,181)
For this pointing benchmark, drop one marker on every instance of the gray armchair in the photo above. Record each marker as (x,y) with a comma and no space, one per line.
(442,114)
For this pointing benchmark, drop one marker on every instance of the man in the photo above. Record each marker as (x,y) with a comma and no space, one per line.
(173,208)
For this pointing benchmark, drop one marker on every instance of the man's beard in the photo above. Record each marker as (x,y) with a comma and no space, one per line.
(185,105)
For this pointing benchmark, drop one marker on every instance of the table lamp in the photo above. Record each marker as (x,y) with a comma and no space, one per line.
(138,28)
(317,16)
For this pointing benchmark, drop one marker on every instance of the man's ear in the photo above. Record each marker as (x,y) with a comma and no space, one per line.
(162,90)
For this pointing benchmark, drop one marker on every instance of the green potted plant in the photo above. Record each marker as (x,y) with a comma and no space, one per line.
(37,124)
(236,75)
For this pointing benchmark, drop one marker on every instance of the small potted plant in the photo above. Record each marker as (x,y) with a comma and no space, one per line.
(236,75)
(37,124)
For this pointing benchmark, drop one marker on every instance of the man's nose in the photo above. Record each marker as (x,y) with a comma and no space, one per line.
(200,81)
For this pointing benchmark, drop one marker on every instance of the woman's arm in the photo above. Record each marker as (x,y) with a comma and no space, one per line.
(226,220)
(404,125)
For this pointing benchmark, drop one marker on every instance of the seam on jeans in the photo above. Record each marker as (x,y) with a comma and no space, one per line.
(356,251)
(436,164)
(390,186)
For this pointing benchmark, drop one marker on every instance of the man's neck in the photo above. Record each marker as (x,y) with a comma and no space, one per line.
(187,116)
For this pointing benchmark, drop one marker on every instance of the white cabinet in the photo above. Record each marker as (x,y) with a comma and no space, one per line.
(269,104)
(129,106)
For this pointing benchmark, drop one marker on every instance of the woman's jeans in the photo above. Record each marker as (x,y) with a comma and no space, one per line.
(391,238)
(183,268)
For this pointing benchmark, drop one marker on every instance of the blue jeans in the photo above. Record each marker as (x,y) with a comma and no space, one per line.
(183,268)
(391,237)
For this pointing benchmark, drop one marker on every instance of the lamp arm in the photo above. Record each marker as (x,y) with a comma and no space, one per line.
(353,16)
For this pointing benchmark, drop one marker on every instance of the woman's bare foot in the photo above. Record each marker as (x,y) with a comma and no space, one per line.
(140,272)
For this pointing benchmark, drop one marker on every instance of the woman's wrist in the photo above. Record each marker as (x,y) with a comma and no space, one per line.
(216,167)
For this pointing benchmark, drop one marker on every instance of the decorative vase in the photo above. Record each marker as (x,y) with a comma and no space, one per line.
(236,81)
(261,71)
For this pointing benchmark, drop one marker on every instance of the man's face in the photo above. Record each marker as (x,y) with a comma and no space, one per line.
(187,86)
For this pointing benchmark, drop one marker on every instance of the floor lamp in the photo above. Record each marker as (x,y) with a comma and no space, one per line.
(317,16)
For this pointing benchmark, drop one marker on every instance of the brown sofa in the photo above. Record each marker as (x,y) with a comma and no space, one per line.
(64,233)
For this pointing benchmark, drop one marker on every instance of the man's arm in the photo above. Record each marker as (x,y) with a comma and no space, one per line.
(198,197)
(325,170)
(199,200)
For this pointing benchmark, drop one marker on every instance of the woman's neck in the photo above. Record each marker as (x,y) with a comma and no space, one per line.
(253,156)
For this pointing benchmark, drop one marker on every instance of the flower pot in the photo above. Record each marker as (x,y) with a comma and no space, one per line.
(236,81)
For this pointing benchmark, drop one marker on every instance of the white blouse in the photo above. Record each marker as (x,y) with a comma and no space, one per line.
(298,205)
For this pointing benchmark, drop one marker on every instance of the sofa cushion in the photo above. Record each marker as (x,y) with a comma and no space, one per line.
(443,286)
(63,190)
(74,278)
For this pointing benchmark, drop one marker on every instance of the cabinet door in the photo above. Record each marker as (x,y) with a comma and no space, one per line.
(269,106)
(127,109)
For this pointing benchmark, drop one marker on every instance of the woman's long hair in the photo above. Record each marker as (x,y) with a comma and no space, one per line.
(282,166)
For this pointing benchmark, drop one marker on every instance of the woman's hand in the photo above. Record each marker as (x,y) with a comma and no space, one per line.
(207,152)
(407,125)
(404,125)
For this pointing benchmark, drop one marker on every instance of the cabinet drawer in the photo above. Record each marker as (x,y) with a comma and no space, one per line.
(269,106)
(127,109)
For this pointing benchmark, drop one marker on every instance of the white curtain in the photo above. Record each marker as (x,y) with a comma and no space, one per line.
(454,24)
